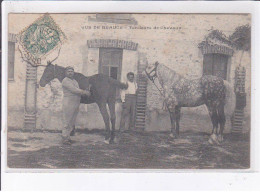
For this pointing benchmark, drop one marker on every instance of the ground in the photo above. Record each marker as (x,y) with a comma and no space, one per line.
(132,149)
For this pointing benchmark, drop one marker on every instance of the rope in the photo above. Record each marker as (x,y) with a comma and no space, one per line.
(164,106)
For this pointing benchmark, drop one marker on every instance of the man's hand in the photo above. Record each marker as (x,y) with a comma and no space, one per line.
(86,93)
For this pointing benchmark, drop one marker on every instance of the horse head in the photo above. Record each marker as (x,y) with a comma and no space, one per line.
(48,74)
(151,71)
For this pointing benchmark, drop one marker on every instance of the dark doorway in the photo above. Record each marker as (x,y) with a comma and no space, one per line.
(215,64)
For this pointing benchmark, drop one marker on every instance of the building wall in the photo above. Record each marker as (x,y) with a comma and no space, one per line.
(177,49)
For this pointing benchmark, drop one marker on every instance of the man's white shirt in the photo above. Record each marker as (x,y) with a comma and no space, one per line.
(132,88)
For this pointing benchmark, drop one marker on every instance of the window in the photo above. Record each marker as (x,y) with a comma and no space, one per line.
(215,64)
(11,52)
(110,62)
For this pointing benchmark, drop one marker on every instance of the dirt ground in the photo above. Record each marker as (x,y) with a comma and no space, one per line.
(133,149)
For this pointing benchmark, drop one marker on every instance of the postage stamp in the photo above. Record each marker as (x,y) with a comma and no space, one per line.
(41,36)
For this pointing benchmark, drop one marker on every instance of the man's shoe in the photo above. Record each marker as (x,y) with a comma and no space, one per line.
(72,141)
(66,142)
(72,133)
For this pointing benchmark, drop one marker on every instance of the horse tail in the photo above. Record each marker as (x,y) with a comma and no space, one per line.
(230,99)
(117,83)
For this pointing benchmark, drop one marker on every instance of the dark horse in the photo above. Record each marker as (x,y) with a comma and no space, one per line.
(102,88)
(178,92)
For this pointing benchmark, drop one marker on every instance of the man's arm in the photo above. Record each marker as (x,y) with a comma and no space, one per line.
(69,86)
(123,95)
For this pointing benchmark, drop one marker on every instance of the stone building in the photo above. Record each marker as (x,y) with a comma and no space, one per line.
(115,44)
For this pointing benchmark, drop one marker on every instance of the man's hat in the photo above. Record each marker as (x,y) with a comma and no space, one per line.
(69,67)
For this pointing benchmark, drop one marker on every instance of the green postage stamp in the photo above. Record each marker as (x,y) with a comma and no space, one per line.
(41,37)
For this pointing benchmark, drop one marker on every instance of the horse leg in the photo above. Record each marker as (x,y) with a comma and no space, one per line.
(214,119)
(72,133)
(104,113)
(222,121)
(172,117)
(178,117)
(111,106)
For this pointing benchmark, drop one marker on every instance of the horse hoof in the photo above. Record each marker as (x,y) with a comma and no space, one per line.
(213,142)
(111,141)
(72,133)
(210,141)
(106,142)
(214,139)
(115,140)
(220,138)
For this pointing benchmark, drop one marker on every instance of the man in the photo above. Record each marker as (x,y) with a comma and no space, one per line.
(128,97)
(71,101)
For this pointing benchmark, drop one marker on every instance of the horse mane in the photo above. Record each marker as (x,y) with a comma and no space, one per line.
(60,73)
(84,81)
(168,75)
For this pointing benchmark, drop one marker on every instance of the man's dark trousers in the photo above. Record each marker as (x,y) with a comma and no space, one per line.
(128,114)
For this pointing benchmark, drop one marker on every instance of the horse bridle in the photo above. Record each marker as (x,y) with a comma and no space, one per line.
(152,78)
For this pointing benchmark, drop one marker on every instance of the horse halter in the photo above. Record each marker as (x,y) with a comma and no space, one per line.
(54,72)
(152,77)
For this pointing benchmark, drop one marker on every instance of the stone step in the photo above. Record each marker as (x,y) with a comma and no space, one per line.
(239,113)
(140,128)
(141,97)
(237,126)
(30,122)
(140,125)
(141,104)
(140,115)
(140,88)
(140,108)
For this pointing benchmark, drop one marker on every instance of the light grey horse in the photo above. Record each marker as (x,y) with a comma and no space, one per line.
(178,92)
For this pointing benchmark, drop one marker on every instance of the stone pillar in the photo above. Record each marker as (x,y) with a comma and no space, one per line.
(30,98)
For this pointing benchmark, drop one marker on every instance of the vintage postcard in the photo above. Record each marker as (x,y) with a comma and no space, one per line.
(129,91)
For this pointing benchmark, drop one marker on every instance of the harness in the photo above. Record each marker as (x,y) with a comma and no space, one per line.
(153,78)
